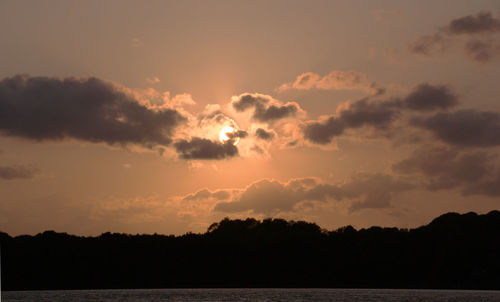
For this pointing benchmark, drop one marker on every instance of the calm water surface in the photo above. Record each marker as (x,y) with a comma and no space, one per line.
(160,295)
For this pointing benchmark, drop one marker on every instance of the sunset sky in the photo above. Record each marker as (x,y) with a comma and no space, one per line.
(343,112)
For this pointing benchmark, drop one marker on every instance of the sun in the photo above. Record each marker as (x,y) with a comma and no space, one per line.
(227,134)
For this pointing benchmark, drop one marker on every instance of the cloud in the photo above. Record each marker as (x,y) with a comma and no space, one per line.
(364,112)
(252,111)
(201,148)
(335,80)
(158,101)
(322,132)
(379,114)
(482,50)
(465,128)
(486,187)
(482,22)
(270,196)
(446,168)
(377,190)
(90,109)
(206,194)
(208,125)
(361,113)
(215,116)
(17,172)
(427,97)
(265,108)
(429,44)
(257,149)
(263,134)
(211,121)
(478,35)
(236,134)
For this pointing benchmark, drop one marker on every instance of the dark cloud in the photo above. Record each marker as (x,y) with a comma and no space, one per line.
(379,114)
(264,109)
(323,132)
(427,97)
(360,113)
(237,134)
(43,108)
(487,187)
(467,128)
(248,101)
(274,112)
(446,168)
(482,50)
(263,134)
(206,194)
(271,197)
(200,148)
(479,30)
(17,172)
(241,133)
(429,44)
(480,23)
(233,136)
(366,113)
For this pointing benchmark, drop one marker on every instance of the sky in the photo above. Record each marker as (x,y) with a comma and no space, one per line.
(339,112)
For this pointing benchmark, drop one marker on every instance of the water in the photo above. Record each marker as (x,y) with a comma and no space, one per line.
(236,295)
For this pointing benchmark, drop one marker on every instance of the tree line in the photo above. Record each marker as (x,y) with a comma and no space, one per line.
(455,251)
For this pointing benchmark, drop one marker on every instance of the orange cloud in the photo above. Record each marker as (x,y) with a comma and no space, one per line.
(335,80)
(270,197)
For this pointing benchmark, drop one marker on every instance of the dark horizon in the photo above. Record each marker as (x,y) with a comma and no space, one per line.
(454,251)
(169,116)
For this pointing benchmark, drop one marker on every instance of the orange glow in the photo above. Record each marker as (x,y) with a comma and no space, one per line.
(227,133)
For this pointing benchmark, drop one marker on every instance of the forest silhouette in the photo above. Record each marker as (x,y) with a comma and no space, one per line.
(454,251)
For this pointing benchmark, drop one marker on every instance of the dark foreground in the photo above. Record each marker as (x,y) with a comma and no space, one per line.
(255,295)
(453,251)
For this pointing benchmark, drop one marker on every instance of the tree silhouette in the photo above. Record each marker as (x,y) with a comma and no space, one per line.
(453,251)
